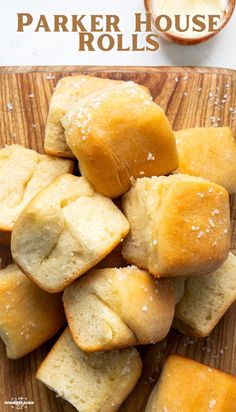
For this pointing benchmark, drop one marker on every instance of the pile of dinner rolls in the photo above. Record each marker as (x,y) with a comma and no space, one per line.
(140,242)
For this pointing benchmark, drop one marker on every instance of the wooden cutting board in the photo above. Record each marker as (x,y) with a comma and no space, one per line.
(190,97)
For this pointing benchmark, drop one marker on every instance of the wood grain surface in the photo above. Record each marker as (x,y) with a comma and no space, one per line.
(190,97)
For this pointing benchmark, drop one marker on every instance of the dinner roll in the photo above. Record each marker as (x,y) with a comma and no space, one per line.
(64,231)
(180,225)
(92,382)
(189,386)
(119,134)
(117,308)
(209,153)
(28,315)
(23,172)
(68,91)
(206,299)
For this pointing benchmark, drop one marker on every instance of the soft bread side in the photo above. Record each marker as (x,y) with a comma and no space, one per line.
(28,315)
(186,385)
(206,299)
(116,308)
(90,382)
(23,173)
(119,134)
(209,153)
(179,225)
(64,231)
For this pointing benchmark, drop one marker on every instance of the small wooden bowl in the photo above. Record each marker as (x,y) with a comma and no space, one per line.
(190,41)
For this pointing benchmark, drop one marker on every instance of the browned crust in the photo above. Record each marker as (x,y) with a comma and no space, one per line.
(47,338)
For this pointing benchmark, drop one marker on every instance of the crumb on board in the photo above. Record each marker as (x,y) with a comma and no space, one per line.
(10,106)
(49,76)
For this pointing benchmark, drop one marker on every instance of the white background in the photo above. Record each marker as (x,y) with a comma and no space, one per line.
(29,48)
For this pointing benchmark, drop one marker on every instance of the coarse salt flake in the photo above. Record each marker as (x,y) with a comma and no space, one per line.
(150,156)
(212,403)
(195,228)
(212,224)
(132,180)
(10,106)
(215,212)
(126,370)
(49,76)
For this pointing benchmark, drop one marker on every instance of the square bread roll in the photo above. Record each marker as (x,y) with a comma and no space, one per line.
(67,92)
(189,386)
(23,173)
(180,225)
(92,382)
(64,231)
(119,134)
(209,153)
(206,299)
(116,308)
(28,315)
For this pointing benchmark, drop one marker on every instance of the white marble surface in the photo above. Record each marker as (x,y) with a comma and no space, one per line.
(31,48)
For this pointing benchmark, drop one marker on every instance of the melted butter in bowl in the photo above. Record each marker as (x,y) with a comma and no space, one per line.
(187,10)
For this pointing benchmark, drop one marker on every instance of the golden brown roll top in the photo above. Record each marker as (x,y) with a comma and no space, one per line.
(119,134)
(67,93)
(186,385)
(180,225)
(209,153)
(28,315)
